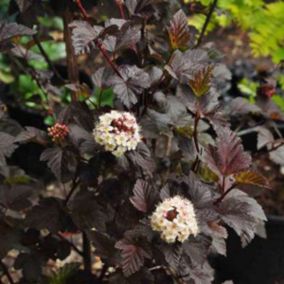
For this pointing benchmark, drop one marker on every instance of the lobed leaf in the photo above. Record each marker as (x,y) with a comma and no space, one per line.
(62,162)
(251,178)
(83,35)
(7,146)
(32,134)
(143,196)
(228,156)
(132,255)
(243,214)
(134,80)
(179,32)
(9,30)
(201,82)
(48,214)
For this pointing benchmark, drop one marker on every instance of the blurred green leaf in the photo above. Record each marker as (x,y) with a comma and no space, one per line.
(279,101)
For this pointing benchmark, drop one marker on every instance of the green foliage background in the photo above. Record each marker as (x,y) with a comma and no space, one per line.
(263,21)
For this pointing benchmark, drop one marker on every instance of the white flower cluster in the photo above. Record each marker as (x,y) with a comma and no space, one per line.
(175,219)
(118,132)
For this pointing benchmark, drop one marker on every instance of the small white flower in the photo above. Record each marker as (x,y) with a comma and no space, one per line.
(118,132)
(175,219)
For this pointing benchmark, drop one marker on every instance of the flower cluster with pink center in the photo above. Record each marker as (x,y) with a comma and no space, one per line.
(175,219)
(58,132)
(118,132)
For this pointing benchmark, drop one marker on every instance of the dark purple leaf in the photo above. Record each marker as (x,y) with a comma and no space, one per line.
(277,156)
(264,137)
(22,52)
(100,77)
(86,213)
(83,35)
(197,249)
(48,214)
(179,31)
(128,36)
(134,81)
(228,156)
(182,66)
(173,255)
(32,134)
(62,162)
(201,82)
(104,246)
(132,255)
(16,196)
(141,158)
(142,199)
(198,274)
(82,139)
(242,106)
(9,30)
(9,238)
(243,214)
(137,6)
(7,146)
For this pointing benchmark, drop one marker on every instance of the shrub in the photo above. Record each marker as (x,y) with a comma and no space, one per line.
(149,172)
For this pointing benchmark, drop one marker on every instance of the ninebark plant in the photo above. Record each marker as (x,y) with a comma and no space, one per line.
(150,184)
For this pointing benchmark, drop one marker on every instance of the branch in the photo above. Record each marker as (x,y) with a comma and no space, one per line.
(208,18)
(6,272)
(87,253)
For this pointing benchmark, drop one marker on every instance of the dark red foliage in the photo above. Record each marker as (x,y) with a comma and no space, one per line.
(147,62)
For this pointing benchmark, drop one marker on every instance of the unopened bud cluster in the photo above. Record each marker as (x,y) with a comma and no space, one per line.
(175,219)
(118,132)
(58,132)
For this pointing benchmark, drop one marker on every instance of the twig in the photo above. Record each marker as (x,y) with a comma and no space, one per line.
(103,272)
(6,272)
(46,57)
(82,9)
(195,164)
(25,68)
(119,3)
(98,43)
(275,147)
(72,190)
(87,253)
(71,60)
(208,18)
(195,131)
(248,131)
(219,200)
(107,58)
(158,267)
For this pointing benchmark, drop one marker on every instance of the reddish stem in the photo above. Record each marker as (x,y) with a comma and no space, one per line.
(120,7)
(107,58)
(82,9)
(219,200)
(97,43)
